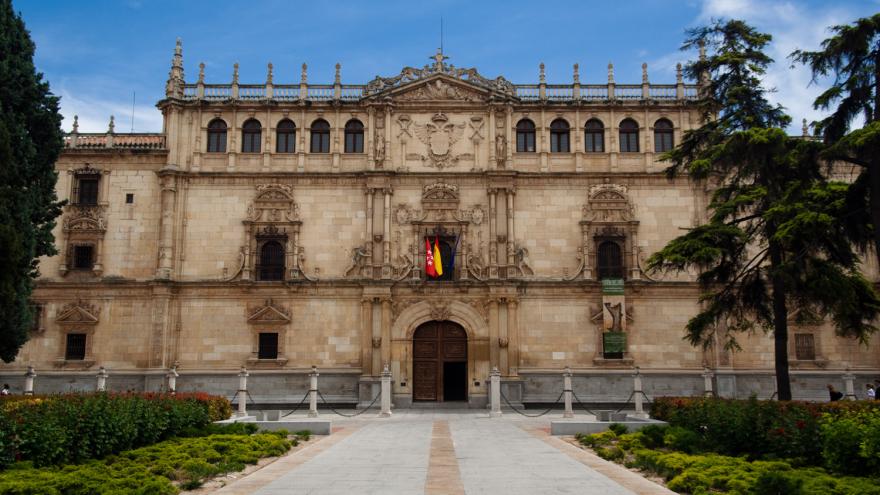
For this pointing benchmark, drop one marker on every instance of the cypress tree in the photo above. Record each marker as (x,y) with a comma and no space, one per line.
(30,142)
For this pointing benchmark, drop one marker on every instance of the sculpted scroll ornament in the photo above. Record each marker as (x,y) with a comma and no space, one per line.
(439,136)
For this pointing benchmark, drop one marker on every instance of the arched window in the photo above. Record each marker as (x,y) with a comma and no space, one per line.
(250,136)
(271,265)
(594,136)
(320,137)
(285,137)
(559,136)
(610,260)
(663,136)
(354,136)
(217,136)
(629,136)
(525,136)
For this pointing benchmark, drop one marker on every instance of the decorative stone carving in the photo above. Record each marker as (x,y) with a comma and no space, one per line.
(81,218)
(78,313)
(439,135)
(439,67)
(500,150)
(377,342)
(358,260)
(404,214)
(268,313)
(503,342)
(608,203)
(482,307)
(440,310)
(521,257)
(438,89)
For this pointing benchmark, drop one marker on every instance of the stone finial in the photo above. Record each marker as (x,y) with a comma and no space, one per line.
(235,73)
(269,73)
(201,73)
(30,372)
(174,86)
(541,75)
(702,45)
(178,48)
(644,73)
(112,127)
(678,77)
(337,79)
(805,130)
(577,76)
(76,123)
(304,75)
(610,73)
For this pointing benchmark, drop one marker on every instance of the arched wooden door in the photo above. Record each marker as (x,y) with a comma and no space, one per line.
(440,362)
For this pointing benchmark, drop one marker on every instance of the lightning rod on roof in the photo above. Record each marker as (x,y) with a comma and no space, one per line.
(132,111)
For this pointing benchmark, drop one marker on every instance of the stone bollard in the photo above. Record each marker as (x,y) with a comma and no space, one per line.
(171,376)
(242,392)
(637,393)
(707,382)
(566,389)
(848,379)
(29,381)
(313,393)
(102,379)
(386,392)
(495,393)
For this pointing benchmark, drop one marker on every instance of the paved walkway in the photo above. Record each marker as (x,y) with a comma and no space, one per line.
(442,452)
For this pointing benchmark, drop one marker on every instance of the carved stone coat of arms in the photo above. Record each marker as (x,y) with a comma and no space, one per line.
(439,135)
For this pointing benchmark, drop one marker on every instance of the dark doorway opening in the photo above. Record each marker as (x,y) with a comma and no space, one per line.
(454,381)
(440,362)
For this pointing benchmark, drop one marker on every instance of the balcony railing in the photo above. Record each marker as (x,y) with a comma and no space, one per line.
(140,141)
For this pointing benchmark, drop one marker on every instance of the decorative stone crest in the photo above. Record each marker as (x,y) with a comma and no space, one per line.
(78,313)
(608,203)
(439,67)
(268,313)
(440,310)
(438,89)
(439,135)
(85,219)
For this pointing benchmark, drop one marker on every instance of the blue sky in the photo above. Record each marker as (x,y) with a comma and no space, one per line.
(96,53)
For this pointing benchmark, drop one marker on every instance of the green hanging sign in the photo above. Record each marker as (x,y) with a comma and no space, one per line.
(614,342)
(612,286)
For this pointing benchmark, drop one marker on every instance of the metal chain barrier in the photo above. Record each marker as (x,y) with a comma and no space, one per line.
(304,399)
(348,415)
(629,399)
(581,404)
(532,415)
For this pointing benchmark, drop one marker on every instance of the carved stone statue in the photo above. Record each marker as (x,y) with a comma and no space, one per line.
(358,257)
(380,150)
(616,315)
(500,150)
(522,261)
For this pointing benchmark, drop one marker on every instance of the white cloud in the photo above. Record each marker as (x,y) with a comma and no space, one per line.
(94,114)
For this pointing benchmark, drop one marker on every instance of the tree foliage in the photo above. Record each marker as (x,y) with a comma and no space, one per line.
(30,142)
(779,239)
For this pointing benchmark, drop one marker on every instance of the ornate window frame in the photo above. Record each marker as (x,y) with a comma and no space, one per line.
(268,317)
(84,224)
(608,215)
(77,317)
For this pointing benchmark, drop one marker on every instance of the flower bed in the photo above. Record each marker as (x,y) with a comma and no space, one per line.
(70,428)
(159,469)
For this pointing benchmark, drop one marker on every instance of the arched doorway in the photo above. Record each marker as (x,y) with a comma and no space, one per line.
(440,362)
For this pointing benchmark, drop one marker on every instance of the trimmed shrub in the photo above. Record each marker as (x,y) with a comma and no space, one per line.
(76,427)
(851,442)
(618,429)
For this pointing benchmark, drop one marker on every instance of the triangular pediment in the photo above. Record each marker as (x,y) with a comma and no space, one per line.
(269,313)
(78,314)
(439,87)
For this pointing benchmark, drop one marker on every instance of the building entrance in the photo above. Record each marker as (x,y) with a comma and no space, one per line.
(440,362)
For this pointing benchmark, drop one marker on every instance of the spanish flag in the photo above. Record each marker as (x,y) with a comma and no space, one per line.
(438,261)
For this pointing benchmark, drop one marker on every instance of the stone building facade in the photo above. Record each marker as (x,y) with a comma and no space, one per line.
(284,226)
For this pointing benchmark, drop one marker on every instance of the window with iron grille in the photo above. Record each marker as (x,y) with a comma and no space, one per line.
(87,189)
(83,257)
(75,349)
(320,137)
(285,137)
(268,346)
(354,136)
(804,347)
(271,265)
(37,317)
(594,136)
(525,136)
(610,260)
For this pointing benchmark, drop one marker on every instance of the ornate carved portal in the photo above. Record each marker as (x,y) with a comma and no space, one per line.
(608,217)
(440,362)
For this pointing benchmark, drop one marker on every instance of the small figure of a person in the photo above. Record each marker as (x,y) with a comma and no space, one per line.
(5,389)
(870,392)
(835,395)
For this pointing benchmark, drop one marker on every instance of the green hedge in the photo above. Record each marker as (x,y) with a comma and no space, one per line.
(74,427)
(764,429)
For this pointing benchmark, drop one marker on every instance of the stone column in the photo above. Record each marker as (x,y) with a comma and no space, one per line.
(242,392)
(29,381)
(493,160)
(313,393)
(369,194)
(495,393)
(513,336)
(386,330)
(166,231)
(493,333)
(386,233)
(503,342)
(848,379)
(637,393)
(386,392)
(707,382)
(493,234)
(102,379)
(566,390)
(366,337)
(510,237)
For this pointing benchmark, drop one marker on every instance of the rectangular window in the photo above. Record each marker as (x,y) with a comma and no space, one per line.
(354,142)
(320,142)
(37,316)
(559,142)
(87,190)
(83,257)
(629,142)
(285,143)
(76,347)
(804,347)
(662,142)
(525,142)
(129,198)
(268,346)
(594,142)
(250,142)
